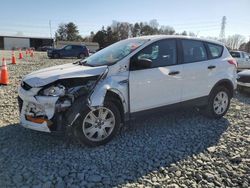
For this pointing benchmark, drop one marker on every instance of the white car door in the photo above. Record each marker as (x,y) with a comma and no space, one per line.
(159,84)
(198,71)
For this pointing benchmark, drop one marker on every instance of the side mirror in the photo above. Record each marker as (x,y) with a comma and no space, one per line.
(143,63)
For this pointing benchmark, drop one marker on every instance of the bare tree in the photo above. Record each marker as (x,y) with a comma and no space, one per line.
(234,41)
(154,24)
(166,30)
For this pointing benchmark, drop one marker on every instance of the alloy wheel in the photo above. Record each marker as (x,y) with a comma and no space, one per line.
(98,124)
(220,102)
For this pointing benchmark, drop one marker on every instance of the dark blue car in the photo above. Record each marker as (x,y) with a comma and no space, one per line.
(79,51)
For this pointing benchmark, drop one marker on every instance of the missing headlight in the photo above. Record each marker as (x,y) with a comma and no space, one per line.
(55,91)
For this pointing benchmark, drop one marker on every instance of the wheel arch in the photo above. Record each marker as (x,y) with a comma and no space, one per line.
(225,83)
(115,97)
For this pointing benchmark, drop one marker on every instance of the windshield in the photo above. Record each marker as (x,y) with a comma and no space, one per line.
(114,52)
(235,54)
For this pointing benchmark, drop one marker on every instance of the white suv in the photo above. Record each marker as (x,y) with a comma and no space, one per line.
(95,96)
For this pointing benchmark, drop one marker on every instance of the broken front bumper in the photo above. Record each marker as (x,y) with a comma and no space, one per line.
(36,112)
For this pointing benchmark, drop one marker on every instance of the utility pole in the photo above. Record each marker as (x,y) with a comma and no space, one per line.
(223,27)
(50,29)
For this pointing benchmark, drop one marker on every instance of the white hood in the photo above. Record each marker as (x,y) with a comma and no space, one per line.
(48,75)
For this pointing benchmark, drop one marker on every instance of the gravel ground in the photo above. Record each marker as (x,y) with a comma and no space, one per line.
(178,149)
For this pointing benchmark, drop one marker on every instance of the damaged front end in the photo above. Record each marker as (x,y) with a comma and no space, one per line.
(55,106)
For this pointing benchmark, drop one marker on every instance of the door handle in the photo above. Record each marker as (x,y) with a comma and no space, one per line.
(173,73)
(211,67)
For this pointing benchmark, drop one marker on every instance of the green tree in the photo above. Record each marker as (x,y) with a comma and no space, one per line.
(136,30)
(111,37)
(247,48)
(61,33)
(68,32)
(184,33)
(123,30)
(100,37)
(147,30)
(72,32)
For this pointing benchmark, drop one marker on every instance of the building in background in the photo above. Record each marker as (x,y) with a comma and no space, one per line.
(14,42)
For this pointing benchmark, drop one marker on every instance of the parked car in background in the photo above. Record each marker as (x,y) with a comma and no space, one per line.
(242,58)
(243,80)
(79,51)
(94,97)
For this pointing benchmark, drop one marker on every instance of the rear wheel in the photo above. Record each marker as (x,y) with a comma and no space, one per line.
(219,102)
(81,56)
(240,89)
(98,126)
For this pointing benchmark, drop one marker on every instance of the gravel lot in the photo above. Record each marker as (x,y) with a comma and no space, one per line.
(178,149)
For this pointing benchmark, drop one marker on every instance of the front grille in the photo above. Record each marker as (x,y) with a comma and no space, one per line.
(244,79)
(20,104)
(26,86)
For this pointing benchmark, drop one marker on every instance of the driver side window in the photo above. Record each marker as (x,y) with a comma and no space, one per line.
(161,53)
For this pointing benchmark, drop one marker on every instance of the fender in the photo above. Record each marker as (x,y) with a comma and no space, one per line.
(228,84)
(117,84)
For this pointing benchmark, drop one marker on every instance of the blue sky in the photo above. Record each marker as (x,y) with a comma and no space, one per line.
(202,17)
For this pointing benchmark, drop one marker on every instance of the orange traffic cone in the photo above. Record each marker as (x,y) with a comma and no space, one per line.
(31,53)
(13,59)
(4,74)
(1,71)
(20,54)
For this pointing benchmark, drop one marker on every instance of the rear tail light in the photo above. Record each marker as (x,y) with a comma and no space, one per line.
(232,62)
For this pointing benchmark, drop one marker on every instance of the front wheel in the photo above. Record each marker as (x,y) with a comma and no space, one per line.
(98,126)
(219,102)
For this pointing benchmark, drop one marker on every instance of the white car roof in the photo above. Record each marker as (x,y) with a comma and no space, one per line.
(158,37)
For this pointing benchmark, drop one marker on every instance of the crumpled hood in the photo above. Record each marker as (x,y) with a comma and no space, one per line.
(48,75)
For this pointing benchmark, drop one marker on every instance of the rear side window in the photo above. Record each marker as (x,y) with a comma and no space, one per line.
(193,51)
(235,54)
(215,50)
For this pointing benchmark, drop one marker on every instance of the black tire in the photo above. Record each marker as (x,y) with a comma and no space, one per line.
(240,89)
(209,110)
(78,126)
(81,56)
(56,56)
